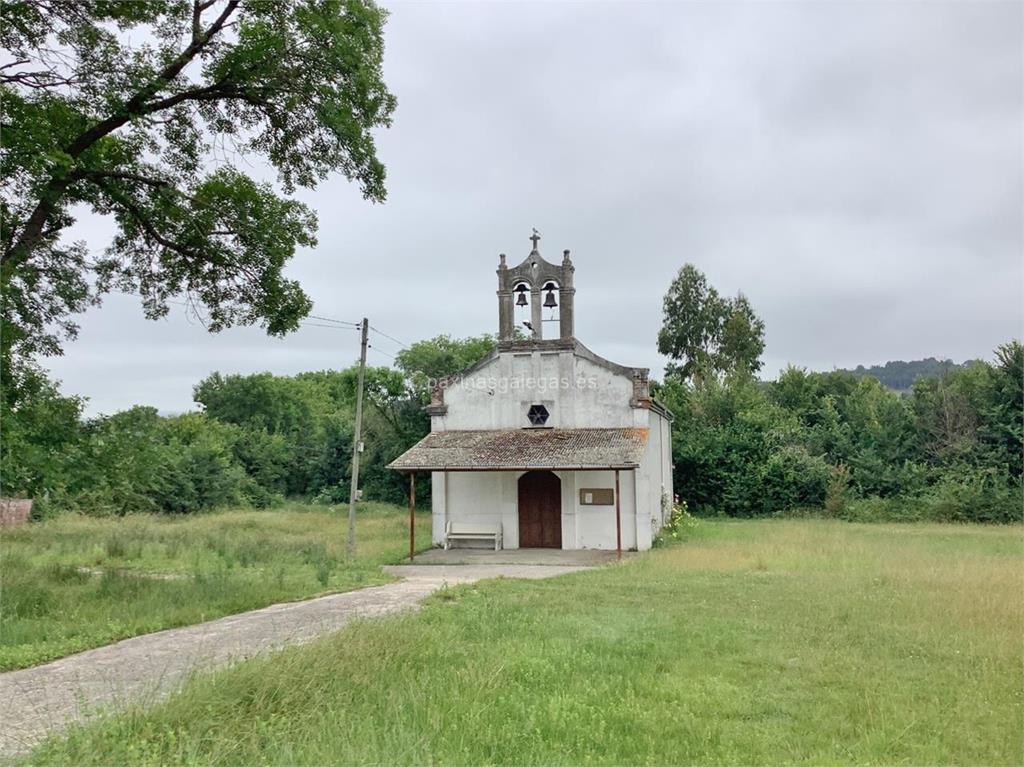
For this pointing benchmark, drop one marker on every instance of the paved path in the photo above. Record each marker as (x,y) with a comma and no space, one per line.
(465,556)
(36,702)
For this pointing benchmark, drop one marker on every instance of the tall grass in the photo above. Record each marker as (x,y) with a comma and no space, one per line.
(74,582)
(808,642)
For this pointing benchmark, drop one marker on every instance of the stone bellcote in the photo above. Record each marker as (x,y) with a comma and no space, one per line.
(533,284)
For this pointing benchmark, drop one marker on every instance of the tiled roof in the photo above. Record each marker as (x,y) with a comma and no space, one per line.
(511,449)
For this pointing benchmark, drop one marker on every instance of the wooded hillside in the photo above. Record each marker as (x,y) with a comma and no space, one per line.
(900,375)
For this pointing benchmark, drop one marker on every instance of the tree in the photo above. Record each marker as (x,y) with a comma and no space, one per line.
(742,338)
(136,110)
(39,429)
(426,362)
(946,416)
(287,424)
(705,333)
(1003,414)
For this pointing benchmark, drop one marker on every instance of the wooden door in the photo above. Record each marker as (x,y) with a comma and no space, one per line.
(540,511)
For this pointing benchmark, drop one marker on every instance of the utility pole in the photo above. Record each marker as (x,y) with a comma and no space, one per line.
(357,446)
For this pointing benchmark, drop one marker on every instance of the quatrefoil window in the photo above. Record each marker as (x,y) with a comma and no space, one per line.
(538,415)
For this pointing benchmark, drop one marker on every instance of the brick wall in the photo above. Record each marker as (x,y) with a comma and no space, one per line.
(14,511)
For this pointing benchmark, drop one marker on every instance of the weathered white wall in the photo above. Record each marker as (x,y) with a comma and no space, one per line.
(576,392)
(654,480)
(594,526)
(477,497)
(491,498)
(666,461)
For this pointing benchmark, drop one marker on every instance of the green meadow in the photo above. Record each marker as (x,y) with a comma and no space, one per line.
(782,642)
(76,582)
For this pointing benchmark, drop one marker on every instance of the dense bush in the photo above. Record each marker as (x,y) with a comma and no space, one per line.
(259,438)
(137,460)
(972,494)
(950,450)
(793,478)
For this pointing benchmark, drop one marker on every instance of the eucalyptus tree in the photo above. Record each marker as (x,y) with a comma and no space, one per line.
(151,112)
(705,333)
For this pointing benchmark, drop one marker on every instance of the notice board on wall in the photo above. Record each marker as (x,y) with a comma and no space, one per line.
(597,496)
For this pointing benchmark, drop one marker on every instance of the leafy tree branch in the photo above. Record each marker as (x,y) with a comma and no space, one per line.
(130,131)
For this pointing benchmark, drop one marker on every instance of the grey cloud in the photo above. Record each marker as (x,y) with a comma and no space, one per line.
(854,168)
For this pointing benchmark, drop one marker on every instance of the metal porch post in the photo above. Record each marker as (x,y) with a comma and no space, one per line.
(618,519)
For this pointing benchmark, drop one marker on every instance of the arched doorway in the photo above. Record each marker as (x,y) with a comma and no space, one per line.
(540,510)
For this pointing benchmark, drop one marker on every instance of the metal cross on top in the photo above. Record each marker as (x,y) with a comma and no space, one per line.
(535,238)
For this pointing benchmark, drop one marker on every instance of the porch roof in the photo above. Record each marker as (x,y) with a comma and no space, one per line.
(524,449)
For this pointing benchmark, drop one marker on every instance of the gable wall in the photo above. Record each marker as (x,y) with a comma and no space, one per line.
(576,392)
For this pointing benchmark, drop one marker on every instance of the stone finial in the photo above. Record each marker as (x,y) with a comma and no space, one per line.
(535,238)
(641,388)
(501,260)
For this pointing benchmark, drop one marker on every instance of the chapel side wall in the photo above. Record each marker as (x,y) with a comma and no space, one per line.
(648,490)
(655,479)
(666,459)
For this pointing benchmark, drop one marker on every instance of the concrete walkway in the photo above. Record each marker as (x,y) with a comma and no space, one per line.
(44,700)
(482,556)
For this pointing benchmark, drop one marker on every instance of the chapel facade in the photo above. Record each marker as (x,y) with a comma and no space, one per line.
(543,443)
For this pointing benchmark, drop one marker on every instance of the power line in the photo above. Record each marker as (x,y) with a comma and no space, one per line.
(319,325)
(381,351)
(194,308)
(390,338)
(331,319)
(348,325)
(338,324)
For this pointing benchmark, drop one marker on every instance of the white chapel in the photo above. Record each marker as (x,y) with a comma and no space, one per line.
(542,443)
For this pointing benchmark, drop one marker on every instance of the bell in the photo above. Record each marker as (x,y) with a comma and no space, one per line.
(549,299)
(521,290)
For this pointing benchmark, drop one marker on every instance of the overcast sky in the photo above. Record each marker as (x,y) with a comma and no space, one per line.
(855,169)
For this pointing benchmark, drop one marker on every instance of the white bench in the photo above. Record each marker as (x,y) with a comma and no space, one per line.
(462,531)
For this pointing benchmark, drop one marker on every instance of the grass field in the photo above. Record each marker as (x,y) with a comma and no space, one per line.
(805,642)
(74,582)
